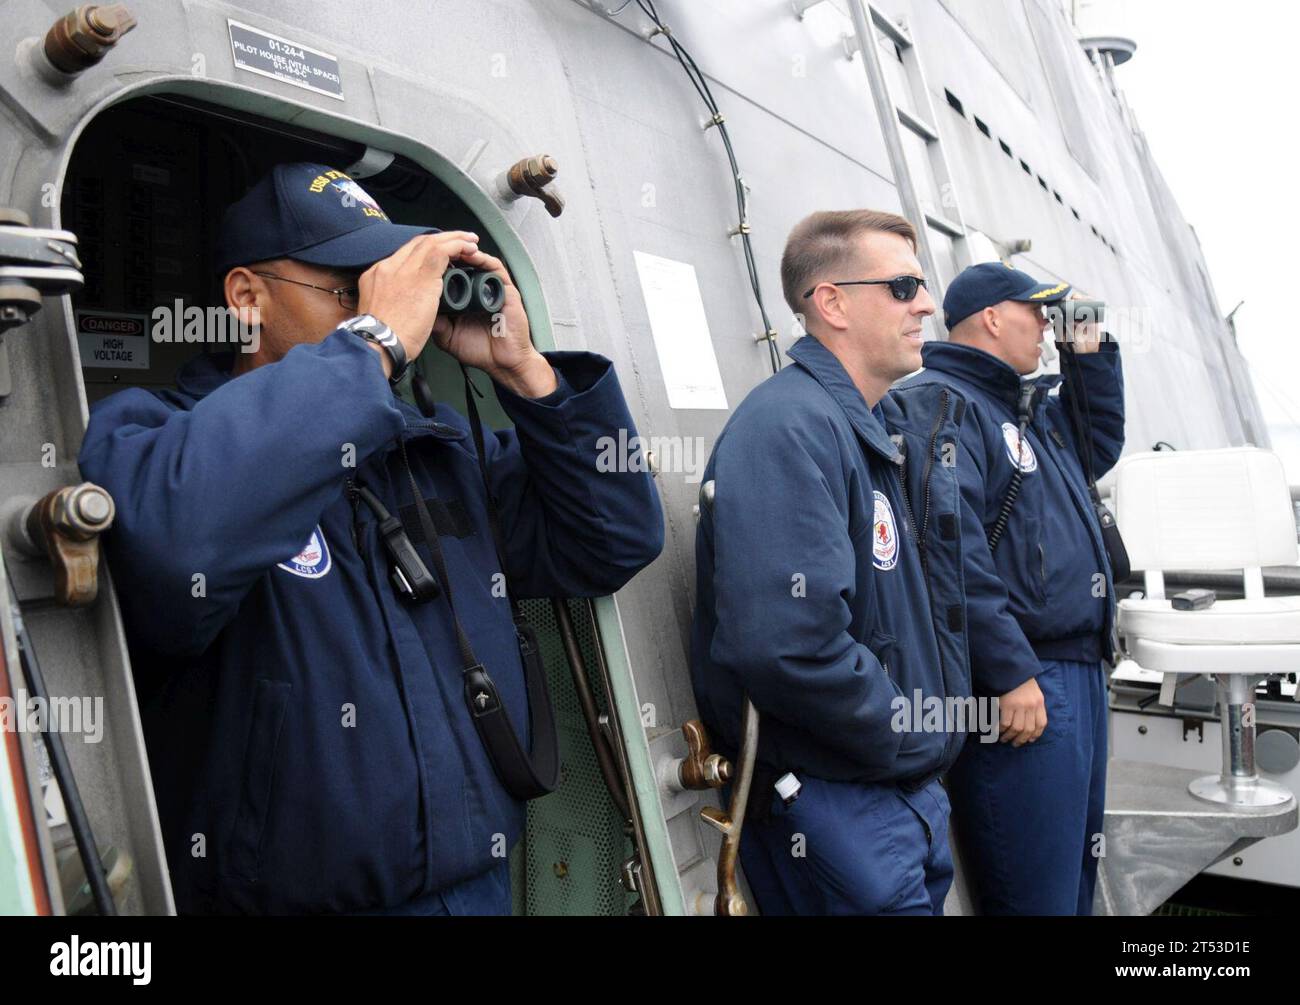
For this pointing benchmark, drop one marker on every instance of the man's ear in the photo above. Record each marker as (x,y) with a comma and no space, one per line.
(241,288)
(992,321)
(245,294)
(828,305)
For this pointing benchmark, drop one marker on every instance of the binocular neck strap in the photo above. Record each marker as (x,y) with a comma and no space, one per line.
(524,776)
(494,522)
(425,400)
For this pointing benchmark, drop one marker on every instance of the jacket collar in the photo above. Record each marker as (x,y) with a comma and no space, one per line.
(984,370)
(828,371)
(208,371)
(204,374)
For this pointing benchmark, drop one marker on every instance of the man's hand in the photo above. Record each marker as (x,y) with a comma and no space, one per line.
(1085,337)
(499,344)
(404,290)
(1023,714)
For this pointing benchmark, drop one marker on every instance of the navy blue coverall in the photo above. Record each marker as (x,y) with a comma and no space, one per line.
(829,583)
(309,742)
(1029,818)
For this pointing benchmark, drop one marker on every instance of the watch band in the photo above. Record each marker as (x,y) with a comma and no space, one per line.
(372,329)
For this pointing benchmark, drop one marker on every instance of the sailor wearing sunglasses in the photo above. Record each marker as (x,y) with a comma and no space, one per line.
(829,587)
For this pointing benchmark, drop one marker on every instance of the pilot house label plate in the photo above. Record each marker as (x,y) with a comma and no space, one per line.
(270,55)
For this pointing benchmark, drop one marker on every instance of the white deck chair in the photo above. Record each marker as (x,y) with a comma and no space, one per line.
(1204,511)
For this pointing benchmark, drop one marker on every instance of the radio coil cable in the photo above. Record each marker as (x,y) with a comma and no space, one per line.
(701,85)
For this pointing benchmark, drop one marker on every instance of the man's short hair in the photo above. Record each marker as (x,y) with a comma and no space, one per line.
(824,241)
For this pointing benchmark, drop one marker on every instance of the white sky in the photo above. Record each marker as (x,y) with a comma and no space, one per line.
(1213,87)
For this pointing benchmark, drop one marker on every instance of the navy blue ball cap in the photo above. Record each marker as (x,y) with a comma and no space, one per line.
(991,283)
(310,213)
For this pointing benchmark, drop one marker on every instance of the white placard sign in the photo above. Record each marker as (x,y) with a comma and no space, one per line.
(116,341)
(681,332)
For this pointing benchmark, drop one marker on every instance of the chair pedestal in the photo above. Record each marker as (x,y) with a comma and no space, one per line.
(1158,835)
(1238,784)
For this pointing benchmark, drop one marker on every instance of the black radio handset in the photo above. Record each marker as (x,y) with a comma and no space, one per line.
(1029,395)
(1028,403)
(410,576)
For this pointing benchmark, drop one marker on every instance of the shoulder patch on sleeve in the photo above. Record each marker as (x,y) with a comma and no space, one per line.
(313,562)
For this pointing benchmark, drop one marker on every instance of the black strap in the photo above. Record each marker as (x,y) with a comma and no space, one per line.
(476,430)
(1111,539)
(524,776)
(1078,394)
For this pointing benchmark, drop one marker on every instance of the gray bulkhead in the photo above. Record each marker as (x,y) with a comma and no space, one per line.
(465,88)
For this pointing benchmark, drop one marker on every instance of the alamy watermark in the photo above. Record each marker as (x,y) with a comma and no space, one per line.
(176,322)
(924,713)
(686,455)
(24,713)
(1130,325)
(75,958)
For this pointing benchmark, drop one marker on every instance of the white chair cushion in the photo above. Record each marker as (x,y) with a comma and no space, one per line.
(1169,657)
(1266,621)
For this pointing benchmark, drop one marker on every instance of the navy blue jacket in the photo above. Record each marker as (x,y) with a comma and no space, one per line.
(812,594)
(310,747)
(1039,595)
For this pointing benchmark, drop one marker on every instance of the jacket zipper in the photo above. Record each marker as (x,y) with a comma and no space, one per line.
(920,535)
(376,589)
(907,507)
(350,490)
(918,530)
(929,470)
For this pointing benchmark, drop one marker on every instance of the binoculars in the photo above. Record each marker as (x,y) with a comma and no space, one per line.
(470,291)
(1067,313)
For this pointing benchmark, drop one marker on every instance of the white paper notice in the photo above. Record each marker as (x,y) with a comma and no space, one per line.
(681,332)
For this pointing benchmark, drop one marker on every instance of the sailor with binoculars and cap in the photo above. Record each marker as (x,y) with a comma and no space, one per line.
(328,732)
(1039,565)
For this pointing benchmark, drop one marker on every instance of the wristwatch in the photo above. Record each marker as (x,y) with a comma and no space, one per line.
(372,329)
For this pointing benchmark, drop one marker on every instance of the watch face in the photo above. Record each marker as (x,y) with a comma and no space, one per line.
(371,328)
(374,330)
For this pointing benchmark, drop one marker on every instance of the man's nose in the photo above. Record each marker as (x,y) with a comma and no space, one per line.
(923,305)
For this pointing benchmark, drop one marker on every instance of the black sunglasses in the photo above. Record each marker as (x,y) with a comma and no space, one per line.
(903,288)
